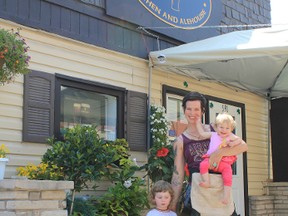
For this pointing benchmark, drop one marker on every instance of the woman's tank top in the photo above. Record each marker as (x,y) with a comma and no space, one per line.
(193,151)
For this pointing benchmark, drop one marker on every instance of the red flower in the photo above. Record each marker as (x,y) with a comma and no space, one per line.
(162,152)
(186,170)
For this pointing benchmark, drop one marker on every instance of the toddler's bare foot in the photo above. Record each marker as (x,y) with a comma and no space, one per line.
(225,201)
(204,184)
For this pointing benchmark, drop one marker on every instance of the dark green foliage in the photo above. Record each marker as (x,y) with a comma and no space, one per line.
(160,168)
(82,207)
(128,196)
(82,156)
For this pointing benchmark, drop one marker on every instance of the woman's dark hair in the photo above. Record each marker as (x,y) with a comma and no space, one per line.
(193,96)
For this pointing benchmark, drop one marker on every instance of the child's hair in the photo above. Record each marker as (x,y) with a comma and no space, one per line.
(161,186)
(225,118)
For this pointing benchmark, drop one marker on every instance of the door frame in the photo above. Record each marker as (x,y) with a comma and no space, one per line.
(172,90)
(243,119)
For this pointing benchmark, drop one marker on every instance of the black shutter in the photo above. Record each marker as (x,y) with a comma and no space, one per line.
(137,121)
(38,106)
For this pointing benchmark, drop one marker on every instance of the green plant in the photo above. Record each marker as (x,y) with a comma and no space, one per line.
(128,196)
(82,206)
(3,151)
(120,148)
(161,157)
(14,59)
(82,155)
(40,172)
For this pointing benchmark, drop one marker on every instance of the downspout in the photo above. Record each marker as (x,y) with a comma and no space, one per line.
(269,137)
(148,115)
(148,104)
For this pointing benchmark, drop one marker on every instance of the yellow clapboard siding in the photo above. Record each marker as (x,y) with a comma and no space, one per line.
(15,87)
(11,99)
(10,123)
(11,111)
(257,164)
(10,135)
(55,54)
(257,156)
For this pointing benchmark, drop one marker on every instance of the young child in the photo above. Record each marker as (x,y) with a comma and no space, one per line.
(224,126)
(161,195)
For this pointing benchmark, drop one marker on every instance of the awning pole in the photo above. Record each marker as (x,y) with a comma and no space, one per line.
(149,109)
(269,140)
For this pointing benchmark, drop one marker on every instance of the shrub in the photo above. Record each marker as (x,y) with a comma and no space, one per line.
(82,156)
(128,196)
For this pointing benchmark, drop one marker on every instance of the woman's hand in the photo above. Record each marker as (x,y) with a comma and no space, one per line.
(235,146)
(233,140)
(215,159)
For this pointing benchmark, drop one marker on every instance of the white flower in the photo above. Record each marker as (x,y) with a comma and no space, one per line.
(127,183)
(135,161)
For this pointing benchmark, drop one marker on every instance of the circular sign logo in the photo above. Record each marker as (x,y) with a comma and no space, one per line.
(184,14)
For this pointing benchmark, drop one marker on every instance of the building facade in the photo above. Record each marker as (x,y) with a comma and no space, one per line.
(89,66)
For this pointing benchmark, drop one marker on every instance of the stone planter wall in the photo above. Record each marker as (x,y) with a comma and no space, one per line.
(33,197)
(273,203)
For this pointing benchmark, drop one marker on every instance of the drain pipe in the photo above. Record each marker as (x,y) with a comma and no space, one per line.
(149,110)
(148,116)
(269,137)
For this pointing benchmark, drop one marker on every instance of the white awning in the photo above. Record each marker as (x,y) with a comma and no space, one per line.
(252,60)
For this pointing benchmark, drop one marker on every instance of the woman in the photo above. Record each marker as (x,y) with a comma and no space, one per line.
(190,146)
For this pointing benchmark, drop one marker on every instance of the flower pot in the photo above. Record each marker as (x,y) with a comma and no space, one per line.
(3,162)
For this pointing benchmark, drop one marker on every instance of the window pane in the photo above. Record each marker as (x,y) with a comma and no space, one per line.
(175,115)
(89,108)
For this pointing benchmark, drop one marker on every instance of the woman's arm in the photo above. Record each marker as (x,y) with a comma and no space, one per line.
(178,171)
(239,146)
(203,134)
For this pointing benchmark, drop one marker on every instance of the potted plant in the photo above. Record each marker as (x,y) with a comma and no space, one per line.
(14,59)
(3,160)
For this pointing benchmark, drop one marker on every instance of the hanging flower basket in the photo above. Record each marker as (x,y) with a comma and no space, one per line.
(14,59)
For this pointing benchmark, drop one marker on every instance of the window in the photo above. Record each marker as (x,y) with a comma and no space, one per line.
(175,115)
(84,107)
(172,101)
(53,102)
(90,104)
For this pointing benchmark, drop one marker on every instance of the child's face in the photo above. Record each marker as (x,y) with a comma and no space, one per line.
(224,129)
(162,200)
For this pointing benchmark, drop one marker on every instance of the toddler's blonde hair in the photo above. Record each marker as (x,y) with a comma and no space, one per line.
(225,118)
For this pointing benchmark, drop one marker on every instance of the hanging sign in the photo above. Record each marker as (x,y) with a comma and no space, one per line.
(184,14)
